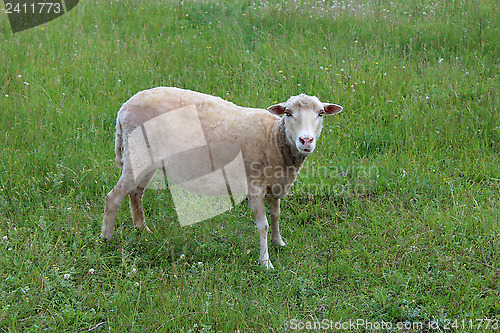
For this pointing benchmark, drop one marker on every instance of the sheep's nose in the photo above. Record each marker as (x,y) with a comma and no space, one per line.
(306,140)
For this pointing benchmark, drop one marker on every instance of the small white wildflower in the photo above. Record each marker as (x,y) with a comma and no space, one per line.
(182,256)
(5,238)
(426,97)
(136,284)
(19,75)
(6,95)
(200,263)
(119,80)
(66,276)
(133,271)
(26,83)
(91,271)
(324,47)
(441,60)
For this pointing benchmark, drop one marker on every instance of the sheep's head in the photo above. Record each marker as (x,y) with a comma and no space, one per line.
(304,120)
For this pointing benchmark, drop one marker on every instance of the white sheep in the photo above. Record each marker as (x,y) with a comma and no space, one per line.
(273,149)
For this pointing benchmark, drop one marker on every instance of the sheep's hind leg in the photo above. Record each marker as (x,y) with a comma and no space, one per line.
(136,204)
(114,198)
(274,209)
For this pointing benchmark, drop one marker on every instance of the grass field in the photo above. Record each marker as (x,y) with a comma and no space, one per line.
(394,219)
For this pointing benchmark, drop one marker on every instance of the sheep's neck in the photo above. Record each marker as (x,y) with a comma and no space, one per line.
(290,154)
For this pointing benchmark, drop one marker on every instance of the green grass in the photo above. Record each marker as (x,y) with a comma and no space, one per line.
(395,218)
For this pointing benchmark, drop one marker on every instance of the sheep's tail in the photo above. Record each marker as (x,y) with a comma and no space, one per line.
(118,143)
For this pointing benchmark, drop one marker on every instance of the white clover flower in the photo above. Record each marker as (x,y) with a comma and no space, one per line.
(66,276)
(132,272)
(5,238)
(91,271)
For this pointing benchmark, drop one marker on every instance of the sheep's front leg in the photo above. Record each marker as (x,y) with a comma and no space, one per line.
(259,211)
(274,209)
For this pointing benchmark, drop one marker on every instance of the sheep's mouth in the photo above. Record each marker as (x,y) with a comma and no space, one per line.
(306,151)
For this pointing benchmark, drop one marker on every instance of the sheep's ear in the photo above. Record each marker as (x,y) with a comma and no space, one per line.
(277,109)
(331,108)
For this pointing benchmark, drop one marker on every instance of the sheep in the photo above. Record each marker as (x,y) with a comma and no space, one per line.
(273,149)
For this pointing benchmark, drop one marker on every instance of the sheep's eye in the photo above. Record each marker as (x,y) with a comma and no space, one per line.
(288,113)
(321,113)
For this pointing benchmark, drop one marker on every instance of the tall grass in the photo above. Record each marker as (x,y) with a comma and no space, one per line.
(394,218)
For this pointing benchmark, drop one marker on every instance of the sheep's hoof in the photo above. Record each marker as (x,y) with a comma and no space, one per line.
(105,239)
(267,265)
(279,242)
(143,228)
